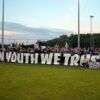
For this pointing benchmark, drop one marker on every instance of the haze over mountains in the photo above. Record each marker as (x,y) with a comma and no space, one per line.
(14,31)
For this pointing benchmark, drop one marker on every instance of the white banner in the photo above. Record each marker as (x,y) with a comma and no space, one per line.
(66,59)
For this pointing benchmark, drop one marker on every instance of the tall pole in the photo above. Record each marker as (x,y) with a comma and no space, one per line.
(91,32)
(3,17)
(78,24)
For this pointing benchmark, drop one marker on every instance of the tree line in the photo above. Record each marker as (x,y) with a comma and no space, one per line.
(86,41)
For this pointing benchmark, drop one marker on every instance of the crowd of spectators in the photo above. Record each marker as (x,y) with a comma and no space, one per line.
(35,48)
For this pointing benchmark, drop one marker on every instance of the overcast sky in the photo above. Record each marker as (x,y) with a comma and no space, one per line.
(52,13)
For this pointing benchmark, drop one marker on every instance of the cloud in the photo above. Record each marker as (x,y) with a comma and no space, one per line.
(8,33)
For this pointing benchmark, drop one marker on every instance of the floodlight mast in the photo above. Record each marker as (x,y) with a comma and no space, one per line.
(3,20)
(91,32)
(79,24)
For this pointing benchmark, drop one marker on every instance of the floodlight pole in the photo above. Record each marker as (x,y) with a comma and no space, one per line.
(91,32)
(78,24)
(3,17)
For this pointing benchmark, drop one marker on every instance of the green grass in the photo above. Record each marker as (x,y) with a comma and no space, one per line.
(45,82)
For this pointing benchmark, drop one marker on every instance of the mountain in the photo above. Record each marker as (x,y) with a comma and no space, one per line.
(19,32)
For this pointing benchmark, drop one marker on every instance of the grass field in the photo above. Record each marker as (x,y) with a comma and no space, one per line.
(44,82)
